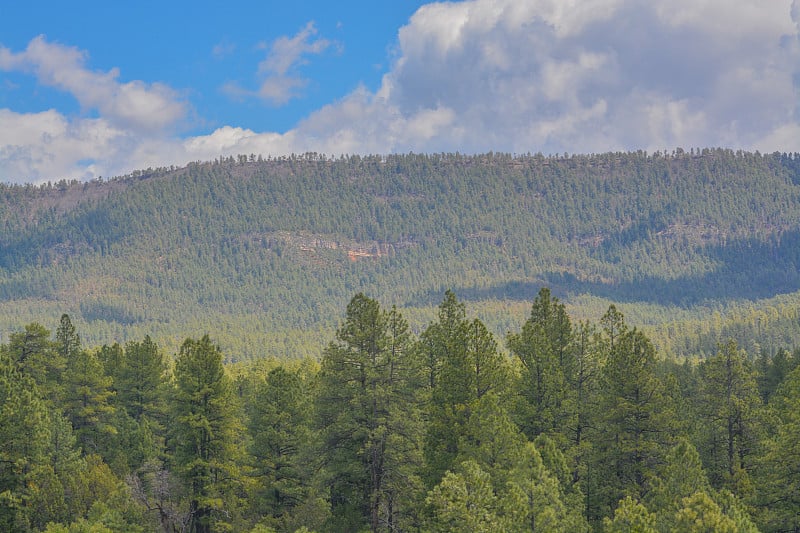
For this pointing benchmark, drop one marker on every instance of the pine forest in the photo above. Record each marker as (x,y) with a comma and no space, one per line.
(405,343)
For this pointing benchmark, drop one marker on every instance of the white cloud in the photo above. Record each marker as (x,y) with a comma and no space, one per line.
(573,76)
(566,76)
(134,105)
(278,72)
(50,145)
(542,75)
(37,146)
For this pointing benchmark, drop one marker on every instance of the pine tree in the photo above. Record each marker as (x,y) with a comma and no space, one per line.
(529,496)
(67,340)
(730,412)
(141,379)
(583,382)
(465,501)
(463,365)
(87,397)
(30,349)
(36,356)
(204,431)
(681,476)
(544,347)
(630,516)
(24,435)
(699,513)
(778,469)
(279,427)
(368,418)
(635,417)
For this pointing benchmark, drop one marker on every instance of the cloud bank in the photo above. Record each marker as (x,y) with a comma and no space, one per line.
(546,76)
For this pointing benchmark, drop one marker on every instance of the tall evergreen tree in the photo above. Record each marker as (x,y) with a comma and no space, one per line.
(544,347)
(86,401)
(500,481)
(778,469)
(204,431)
(463,365)
(67,340)
(729,408)
(280,436)
(636,419)
(24,436)
(141,379)
(368,418)
(36,356)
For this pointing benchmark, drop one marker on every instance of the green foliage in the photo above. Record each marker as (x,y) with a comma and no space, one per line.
(778,472)
(392,432)
(630,516)
(461,365)
(635,420)
(280,439)
(204,432)
(87,397)
(544,347)
(465,501)
(36,356)
(170,252)
(369,420)
(139,378)
(24,435)
(700,514)
(730,411)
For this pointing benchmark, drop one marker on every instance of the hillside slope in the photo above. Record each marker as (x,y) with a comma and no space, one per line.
(264,253)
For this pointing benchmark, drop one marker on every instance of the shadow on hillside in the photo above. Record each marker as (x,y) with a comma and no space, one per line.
(748,269)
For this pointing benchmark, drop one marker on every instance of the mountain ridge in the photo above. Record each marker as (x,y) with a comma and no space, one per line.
(280,244)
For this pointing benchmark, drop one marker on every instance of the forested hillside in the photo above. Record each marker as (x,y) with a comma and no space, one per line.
(698,246)
(578,343)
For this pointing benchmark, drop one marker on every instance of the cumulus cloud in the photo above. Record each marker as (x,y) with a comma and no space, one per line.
(554,76)
(573,76)
(134,105)
(547,76)
(49,145)
(35,146)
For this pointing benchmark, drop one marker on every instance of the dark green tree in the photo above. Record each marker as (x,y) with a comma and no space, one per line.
(280,440)
(367,414)
(636,420)
(87,401)
(778,469)
(24,439)
(545,349)
(36,356)
(583,381)
(681,490)
(500,482)
(730,410)
(204,433)
(141,379)
(67,340)
(462,365)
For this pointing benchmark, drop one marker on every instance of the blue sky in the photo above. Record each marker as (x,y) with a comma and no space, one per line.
(92,89)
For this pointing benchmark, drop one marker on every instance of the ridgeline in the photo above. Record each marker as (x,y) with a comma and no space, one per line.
(696,247)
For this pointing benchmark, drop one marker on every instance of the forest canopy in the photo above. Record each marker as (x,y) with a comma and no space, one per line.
(578,426)
(699,246)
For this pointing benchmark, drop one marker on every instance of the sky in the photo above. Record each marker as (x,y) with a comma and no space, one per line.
(94,89)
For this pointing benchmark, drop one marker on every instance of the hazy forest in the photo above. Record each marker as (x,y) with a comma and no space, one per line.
(444,342)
